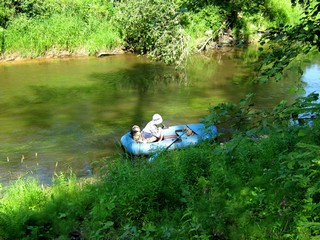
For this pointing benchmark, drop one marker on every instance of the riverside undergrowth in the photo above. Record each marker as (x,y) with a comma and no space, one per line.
(166,31)
(38,28)
(255,186)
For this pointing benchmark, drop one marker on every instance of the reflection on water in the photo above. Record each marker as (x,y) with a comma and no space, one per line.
(70,114)
(311,78)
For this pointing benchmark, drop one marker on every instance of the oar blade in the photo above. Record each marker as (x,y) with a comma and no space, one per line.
(153,157)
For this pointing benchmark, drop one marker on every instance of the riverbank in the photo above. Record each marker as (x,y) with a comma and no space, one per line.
(54,54)
(251,187)
(246,188)
(225,41)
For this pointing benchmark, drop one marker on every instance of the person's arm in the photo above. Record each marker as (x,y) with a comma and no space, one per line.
(161,134)
(157,132)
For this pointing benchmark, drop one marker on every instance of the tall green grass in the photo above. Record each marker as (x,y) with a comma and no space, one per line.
(31,211)
(78,27)
(247,188)
(34,28)
(35,37)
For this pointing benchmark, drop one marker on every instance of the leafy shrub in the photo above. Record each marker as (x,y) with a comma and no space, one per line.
(6,14)
(152,27)
(208,18)
(194,166)
(244,118)
(9,9)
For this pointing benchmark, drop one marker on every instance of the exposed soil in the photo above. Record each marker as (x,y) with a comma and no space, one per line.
(59,54)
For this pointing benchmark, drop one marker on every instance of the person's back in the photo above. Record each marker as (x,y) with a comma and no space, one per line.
(152,132)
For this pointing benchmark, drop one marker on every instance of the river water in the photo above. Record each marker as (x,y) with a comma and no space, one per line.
(69,114)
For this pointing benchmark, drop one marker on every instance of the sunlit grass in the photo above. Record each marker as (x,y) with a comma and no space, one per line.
(86,27)
(209,190)
(38,36)
(27,206)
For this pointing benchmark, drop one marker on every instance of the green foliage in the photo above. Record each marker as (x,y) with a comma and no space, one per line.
(244,118)
(243,18)
(208,18)
(58,32)
(17,203)
(2,41)
(5,14)
(77,27)
(285,43)
(251,187)
(301,176)
(262,184)
(30,8)
(9,9)
(157,28)
(153,27)
(31,211)
(103,36)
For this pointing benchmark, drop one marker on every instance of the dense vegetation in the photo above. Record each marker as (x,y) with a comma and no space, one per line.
(261,184)
(252,187)
(286,43)
(35,28)
(165,30)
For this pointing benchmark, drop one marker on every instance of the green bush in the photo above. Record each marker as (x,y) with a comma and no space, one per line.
(158,28)
(5,14)
(9,9)
(152,27)
(208,18)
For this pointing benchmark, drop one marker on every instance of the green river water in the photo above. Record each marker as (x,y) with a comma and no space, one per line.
(69,114)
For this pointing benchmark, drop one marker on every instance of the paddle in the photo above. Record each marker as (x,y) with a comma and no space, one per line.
(156,154)
(163,126)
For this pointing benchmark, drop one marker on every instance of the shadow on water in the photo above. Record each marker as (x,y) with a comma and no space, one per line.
(147,82)
(72,114)
(72,126)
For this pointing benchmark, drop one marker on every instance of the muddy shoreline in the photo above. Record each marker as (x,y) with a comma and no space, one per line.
(51,55)
(207,45)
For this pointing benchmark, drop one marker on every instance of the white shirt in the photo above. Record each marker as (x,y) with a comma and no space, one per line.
(151,130)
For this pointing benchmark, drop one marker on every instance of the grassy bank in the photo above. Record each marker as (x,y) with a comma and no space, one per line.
(30,29)
(262,184)
(251,187)
(58,28)
(29,38)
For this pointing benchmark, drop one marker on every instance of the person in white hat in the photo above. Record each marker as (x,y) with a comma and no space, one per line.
(152,132)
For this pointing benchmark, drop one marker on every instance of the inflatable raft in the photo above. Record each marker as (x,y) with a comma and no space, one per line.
(175,137)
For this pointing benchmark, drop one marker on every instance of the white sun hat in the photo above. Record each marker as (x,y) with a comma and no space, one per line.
(157,119)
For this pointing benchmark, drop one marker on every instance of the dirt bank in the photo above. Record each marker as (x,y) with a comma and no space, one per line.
(58,54)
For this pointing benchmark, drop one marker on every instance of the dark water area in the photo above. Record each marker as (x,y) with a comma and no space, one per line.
(69,114)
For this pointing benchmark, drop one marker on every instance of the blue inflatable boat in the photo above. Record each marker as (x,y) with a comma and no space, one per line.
(175,137)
